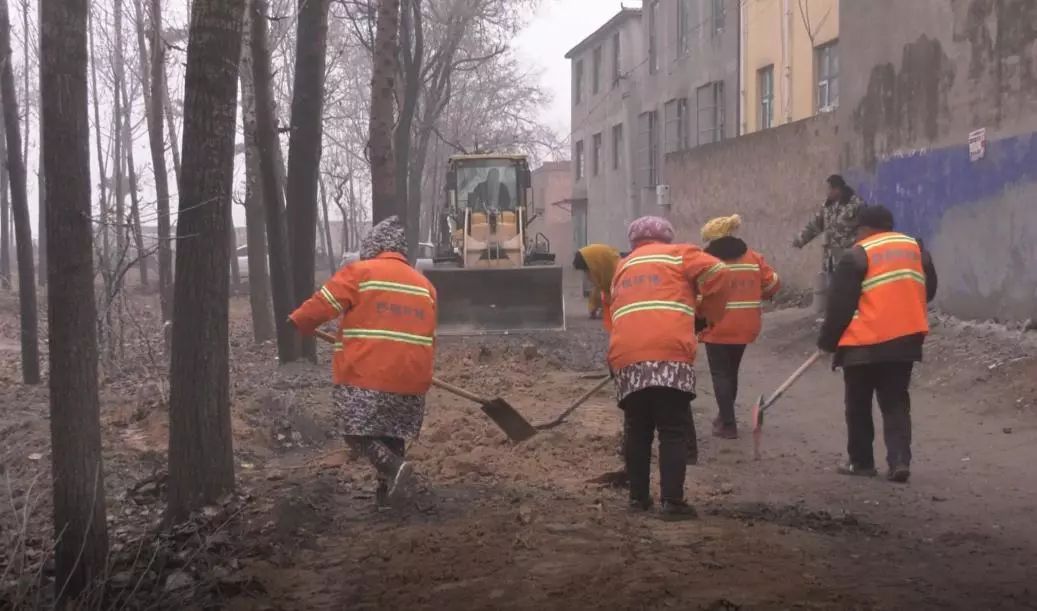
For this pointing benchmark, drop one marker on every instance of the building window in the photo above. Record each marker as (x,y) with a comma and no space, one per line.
(765,85)
(653,42)
(710,102)
(648,153)
(676,117)
(596,154)
(578,160)
(596,67)
(578,82)
(827,77)
(683,27)
(616,61)
(617,146)
(719,13)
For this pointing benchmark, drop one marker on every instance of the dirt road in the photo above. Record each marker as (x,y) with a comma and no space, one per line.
(518,527)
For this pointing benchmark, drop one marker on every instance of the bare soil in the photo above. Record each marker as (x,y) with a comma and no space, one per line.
(504,526)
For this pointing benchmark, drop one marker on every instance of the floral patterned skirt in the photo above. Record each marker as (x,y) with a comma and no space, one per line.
(371,413)
(655,374)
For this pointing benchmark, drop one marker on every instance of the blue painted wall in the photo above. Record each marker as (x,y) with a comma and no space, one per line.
(979,218)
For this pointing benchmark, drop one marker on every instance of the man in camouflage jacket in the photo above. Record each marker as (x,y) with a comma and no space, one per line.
(837,220)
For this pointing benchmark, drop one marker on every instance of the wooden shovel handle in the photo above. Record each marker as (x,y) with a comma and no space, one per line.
(791,379)
(450,388)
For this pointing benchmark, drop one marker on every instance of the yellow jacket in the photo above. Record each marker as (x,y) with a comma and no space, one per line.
(601,266)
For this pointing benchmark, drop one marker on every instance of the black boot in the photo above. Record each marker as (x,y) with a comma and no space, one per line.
(677,510)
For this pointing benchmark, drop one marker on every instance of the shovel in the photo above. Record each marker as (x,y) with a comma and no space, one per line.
(572,408)
(763,404)
(500,411)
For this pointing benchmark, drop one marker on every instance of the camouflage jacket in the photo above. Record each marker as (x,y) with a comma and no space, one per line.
(837,221)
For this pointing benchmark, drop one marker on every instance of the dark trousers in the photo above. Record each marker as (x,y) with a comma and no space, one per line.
(890,382)
(724,361)
(667,411)
(384,453)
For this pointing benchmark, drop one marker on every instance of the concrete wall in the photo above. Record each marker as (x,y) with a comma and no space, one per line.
(919,76)
(775,33)
(773,178)
(552,186)
(611,198)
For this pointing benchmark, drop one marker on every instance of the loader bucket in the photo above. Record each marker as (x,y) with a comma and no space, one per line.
(481,301)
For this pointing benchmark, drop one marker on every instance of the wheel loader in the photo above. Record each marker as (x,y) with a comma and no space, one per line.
(490,274)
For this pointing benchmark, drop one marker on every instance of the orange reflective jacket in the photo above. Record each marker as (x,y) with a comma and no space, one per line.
(893,300)
(387,326)
(654,296)
(751,280)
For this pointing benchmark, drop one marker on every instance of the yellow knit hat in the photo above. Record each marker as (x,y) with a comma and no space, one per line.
(720,227)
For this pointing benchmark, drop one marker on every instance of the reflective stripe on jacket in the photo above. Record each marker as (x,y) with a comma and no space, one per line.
(387,325)
(893,298)
(654,296)
(751,281)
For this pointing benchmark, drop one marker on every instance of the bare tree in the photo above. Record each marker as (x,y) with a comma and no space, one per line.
(304,146)
(385,67)
(105,254)
(201,458)
(81,550)
(329,243)
(272,190)
(152,74)
(19,208)
(117,165)
(263,327)
(131,172)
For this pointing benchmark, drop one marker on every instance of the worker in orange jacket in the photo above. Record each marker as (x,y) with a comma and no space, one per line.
(751,281)
(876,323)
(655,294)
(382,366)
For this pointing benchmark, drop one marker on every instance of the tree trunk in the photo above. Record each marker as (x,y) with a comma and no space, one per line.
(19,208)
(232,237)
(104,229)
(174,146)
(152,84)
(117,165)
(5,213)
(412,52)
(304,146)
(384,69)
(131,171)
(41,184)
(81,551)
(332,264)
(201,458)
(258,277)
(273,193)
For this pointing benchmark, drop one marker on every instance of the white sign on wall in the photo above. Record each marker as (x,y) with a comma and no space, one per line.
(977,144)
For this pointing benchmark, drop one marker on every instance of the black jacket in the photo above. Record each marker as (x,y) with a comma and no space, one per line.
(844,294)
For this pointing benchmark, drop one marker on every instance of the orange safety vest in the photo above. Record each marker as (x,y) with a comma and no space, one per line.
(387,324)
(751,280)
(654,294)
(893,299)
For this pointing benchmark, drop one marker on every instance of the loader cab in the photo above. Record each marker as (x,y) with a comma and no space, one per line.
(488,206)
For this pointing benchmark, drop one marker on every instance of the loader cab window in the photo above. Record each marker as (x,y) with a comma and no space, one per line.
(487,186)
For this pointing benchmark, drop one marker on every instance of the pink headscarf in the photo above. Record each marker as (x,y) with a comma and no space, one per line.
(650,229)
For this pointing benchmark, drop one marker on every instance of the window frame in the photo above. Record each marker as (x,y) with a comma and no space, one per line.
(578,82)
(653,36)
(617,59)
(683,46)
(617,146)
(765,95)
(826,78)
(596,57)
(596,145)
(719,10)
(715,111)
(578,160)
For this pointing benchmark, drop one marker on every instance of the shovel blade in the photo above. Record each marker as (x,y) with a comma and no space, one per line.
(506,417)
